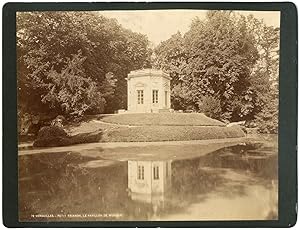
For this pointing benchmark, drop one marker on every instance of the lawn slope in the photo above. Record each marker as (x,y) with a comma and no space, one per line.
(143,128)
(170,133)
(162,119)
(150,127)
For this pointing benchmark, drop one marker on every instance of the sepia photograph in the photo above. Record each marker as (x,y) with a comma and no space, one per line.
(148,115)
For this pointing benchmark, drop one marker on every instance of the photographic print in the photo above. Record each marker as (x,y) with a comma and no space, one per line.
(147,115)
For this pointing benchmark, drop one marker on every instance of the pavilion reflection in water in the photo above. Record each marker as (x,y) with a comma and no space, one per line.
(149,181)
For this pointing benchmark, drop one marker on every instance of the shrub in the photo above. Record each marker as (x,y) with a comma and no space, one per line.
(267,119)
(52,136)
(269,126)
(210,106)
(50,132)
(28,123)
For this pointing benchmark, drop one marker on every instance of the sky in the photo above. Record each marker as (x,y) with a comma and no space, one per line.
(159,25)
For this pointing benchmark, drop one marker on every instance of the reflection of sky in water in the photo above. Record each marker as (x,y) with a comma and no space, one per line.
(232,183)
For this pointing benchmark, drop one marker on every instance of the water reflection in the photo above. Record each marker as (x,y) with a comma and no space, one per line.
(233,183)
(238,182)
(149,182)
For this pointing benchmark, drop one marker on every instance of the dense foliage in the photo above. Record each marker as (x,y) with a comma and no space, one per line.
(265,76)
(225,66)
(73,63)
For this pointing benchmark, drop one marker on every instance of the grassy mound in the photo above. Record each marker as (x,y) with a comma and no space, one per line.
(170,133)
(139,128)
(163,119)
(52,136)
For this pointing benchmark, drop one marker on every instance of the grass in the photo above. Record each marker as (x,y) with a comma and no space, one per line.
(144,128)
(158,127)
(170,133)
(162,119)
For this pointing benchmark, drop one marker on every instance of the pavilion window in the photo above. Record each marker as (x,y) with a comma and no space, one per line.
(141,172)
(140,96)
(155,96)
(155,172)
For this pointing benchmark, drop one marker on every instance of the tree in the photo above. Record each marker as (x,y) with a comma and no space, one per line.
(215,58)
(74,63)
(71,90)
(170,56)
(133,53)
(53,65)
(265,75)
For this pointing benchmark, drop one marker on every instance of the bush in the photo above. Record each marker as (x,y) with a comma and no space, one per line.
(50,132)
(52,142)
(267,119)
(28,123)
(52,136)
(210,106)
(58,121)
(268,126)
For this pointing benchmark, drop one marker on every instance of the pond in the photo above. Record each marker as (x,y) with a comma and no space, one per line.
(236,182)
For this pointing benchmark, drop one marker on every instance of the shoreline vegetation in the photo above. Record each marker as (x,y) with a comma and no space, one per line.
(138,128)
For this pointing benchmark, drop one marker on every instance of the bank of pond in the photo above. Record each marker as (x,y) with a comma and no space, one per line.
(138,128)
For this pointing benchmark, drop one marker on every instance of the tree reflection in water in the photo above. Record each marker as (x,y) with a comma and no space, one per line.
(197,188)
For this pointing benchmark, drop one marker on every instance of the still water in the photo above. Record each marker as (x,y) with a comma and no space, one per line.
(237,182)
